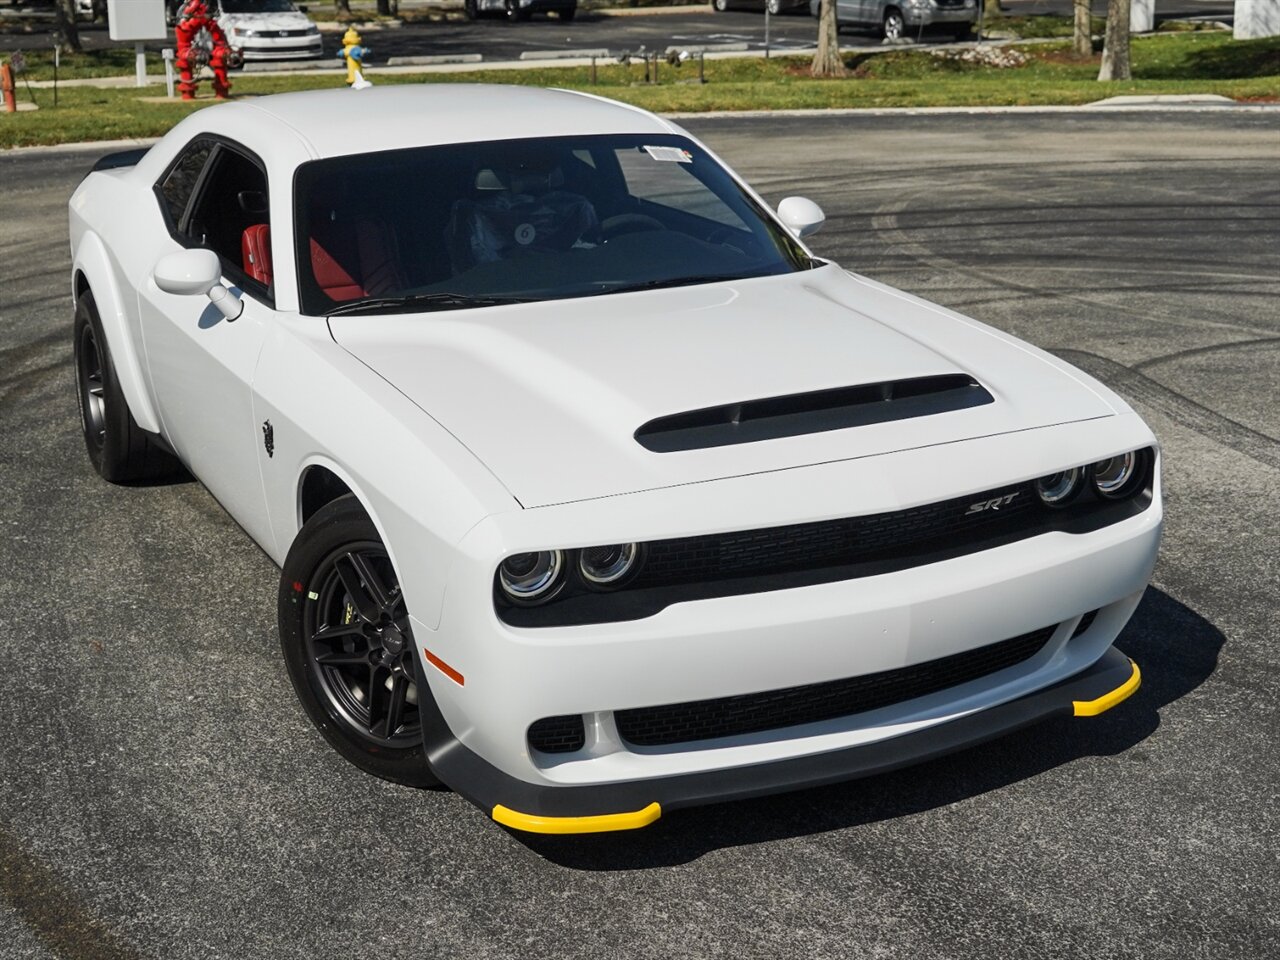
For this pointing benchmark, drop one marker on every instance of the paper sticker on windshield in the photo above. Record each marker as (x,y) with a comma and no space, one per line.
(670,153)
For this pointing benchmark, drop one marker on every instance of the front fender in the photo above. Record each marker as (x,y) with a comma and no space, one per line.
(94,263)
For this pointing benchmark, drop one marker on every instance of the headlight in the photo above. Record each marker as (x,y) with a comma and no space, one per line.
(1112,477)
(1058,489)
(531,577)
(608,565)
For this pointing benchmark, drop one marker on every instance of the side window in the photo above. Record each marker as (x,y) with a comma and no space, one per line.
(180,183)
(230,218)
(672,184)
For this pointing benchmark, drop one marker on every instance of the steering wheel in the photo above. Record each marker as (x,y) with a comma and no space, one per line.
(625,223)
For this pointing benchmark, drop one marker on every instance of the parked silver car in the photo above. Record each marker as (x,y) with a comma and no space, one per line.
(896,19)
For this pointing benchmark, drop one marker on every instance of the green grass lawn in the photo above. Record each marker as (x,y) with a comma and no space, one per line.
(1193,62)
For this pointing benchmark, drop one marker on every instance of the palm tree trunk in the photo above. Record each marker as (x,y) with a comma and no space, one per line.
(1082,39)
(826,60)
(1115,48)
(68,32)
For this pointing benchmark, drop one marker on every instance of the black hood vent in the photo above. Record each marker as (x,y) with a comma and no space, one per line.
(816,412)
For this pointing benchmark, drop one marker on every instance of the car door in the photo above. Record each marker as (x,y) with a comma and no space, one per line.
(851,11)
(202,365)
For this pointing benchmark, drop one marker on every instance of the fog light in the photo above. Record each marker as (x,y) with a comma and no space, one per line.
(1112,477)
(603,566)
(531,577)
(1058,489)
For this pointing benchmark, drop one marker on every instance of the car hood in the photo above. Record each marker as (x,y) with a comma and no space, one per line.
(550,395)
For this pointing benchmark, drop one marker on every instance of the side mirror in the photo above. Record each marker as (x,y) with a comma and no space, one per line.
(801,216)
(191,273)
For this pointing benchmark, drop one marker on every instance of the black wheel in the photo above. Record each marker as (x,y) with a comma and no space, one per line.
(964,33)
(471,9)
(118,449)
(719,6)
(515,11)
(894,27)
(568,13)
(347,645)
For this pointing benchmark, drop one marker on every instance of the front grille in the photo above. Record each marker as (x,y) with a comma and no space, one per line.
(775,709)
(807,546)
(558,734)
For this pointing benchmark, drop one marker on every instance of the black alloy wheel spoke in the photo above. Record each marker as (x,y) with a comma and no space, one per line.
(395,705)
(363,586)
(377,698)
(342,658)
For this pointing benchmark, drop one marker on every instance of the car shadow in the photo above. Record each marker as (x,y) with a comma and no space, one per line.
(1176,647)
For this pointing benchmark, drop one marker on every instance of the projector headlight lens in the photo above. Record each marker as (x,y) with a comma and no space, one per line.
(607,565)
(1112,477)
(1058,489)
(531,577)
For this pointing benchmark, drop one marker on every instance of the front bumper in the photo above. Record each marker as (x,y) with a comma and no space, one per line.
(623,806)
(291,49)
(490,681)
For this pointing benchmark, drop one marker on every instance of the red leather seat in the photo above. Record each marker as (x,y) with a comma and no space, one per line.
(357,259)
(255,250)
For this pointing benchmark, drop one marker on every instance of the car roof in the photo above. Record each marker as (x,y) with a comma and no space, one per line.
(342,122)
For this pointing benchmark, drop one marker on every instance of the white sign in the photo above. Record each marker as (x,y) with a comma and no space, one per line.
(136,20)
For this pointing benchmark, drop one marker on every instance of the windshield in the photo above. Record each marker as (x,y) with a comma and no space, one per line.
(256,6)
(478,224)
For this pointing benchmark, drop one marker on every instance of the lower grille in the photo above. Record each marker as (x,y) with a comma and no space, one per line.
(775,709)
(558,734)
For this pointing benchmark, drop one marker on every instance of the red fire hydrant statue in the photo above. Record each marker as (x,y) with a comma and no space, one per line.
(201,42)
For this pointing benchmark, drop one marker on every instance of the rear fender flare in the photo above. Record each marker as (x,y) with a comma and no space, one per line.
(94,264)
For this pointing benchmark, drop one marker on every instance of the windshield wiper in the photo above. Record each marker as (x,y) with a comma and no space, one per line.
(435,301)
(677,282)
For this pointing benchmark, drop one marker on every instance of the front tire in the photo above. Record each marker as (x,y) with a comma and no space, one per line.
(348,647)
(120,451)
(471,9)
(569,13)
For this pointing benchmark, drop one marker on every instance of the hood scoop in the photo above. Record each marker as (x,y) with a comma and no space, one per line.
(815,412)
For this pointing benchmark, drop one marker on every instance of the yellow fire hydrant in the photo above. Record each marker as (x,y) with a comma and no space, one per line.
(353,53)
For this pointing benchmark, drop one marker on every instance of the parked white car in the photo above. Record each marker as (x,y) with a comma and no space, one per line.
(263,29)
(596,492)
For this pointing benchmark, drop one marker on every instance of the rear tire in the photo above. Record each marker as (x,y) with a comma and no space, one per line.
(568,14)
(894,27)
(118,448)
(348,648)
(471,9)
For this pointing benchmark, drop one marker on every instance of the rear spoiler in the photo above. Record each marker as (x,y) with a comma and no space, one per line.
(122,158)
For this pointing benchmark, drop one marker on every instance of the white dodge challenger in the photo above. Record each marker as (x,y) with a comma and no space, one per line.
(597,494)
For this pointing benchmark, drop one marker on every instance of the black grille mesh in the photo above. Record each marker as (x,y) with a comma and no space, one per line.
(558,734)
(774,709)
(805,546)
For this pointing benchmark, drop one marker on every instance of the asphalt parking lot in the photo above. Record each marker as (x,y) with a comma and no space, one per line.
(163,796)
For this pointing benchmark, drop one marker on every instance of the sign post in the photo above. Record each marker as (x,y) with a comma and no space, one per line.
(137,20)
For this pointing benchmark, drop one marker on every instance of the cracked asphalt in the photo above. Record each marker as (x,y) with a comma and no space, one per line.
(162,795)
